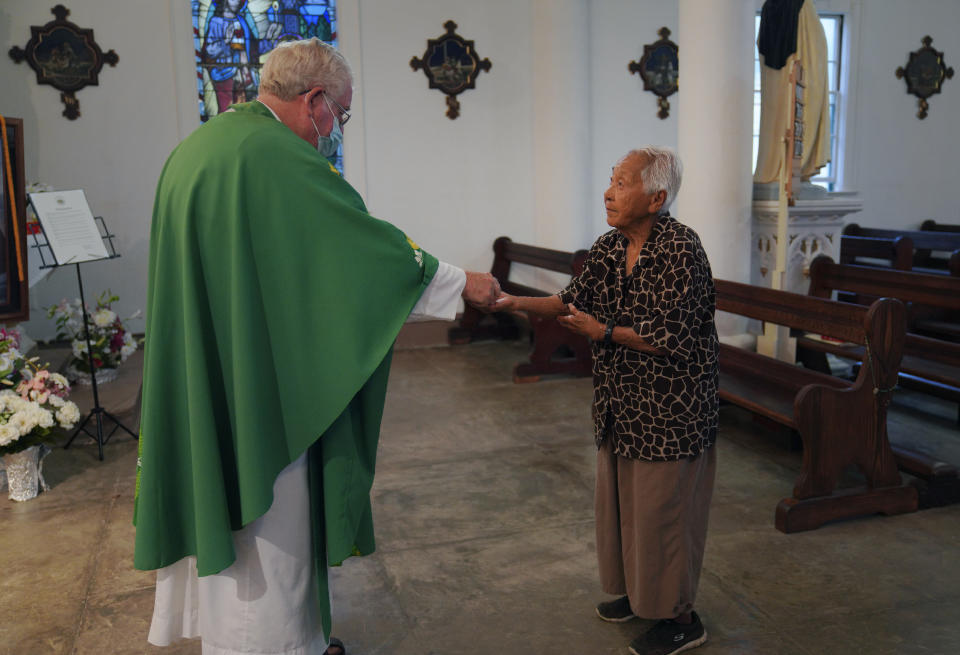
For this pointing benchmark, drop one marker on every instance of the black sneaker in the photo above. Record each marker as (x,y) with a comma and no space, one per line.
(615,611)
(669,637)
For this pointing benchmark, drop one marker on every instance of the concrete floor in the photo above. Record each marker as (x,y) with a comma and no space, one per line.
(483,510)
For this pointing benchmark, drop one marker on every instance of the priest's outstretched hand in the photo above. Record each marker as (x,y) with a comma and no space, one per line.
(481,291)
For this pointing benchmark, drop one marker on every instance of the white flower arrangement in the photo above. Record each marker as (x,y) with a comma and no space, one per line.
(110,339)
(34,402)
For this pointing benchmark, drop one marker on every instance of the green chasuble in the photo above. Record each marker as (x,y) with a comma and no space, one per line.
(274,300)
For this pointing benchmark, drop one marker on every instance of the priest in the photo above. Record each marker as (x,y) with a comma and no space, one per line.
(274,300)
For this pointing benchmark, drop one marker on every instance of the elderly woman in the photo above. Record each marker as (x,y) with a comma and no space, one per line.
(646,300)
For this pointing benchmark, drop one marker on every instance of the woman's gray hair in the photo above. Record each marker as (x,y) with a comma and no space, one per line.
(295,66)
(663,172)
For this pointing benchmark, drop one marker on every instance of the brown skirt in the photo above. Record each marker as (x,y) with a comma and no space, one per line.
(652,528)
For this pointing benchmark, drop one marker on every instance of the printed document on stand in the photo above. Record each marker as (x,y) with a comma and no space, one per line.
(69,226)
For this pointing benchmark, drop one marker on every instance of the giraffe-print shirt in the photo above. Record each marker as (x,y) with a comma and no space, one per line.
(654,407)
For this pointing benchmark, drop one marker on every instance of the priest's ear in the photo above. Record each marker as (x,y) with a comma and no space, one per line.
(312,94)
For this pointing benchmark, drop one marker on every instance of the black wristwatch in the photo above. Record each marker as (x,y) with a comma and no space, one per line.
(608,333)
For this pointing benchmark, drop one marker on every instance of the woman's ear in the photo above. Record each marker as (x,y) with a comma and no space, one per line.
(657,200)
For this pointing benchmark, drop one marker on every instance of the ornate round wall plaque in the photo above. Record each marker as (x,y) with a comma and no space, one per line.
(924,73)
(659,68)
(64,56)
(451,64)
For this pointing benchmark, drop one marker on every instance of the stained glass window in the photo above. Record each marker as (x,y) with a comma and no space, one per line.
(232,39)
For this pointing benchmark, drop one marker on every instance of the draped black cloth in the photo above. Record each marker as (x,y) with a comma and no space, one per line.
(777,39)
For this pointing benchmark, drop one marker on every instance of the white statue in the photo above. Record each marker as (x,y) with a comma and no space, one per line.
(790,30)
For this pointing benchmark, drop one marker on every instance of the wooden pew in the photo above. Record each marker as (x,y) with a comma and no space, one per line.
(925,243)
(929,365)
(931,225)
(896,252)
(555,348)
(937,323)
(840,422)
(940,321)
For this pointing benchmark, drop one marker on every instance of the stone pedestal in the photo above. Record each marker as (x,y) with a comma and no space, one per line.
(813,228)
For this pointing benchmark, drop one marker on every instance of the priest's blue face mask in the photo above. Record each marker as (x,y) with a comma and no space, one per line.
(328,145)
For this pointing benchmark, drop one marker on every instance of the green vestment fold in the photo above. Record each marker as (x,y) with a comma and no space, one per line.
(274,300)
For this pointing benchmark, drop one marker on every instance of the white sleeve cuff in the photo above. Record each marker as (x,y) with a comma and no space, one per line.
(441,298)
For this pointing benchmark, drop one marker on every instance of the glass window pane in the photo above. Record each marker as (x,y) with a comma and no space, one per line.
(756,148)
(830,24)
(829,28)
(233,39)
(756,119)
(756,113)
(756,34)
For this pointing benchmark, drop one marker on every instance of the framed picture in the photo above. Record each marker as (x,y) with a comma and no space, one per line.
(659,68)
(924,73)
(14,305)
(65,56)
(451,64)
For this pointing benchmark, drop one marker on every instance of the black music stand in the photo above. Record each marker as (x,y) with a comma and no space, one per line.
(48,260)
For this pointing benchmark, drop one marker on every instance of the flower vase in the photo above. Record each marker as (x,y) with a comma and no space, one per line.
(104,375)
(24,479)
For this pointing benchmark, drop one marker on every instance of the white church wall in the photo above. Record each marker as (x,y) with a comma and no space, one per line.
(623,115)
(531,152)
(902,166)
(529,156)
(116,148)
(452,185)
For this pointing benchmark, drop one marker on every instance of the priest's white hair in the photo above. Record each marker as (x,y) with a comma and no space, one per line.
(663,172)
(296,66)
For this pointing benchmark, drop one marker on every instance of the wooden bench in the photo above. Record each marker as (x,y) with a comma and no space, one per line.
(927,293)
(555,348)
(889,247)
(925,243)
(896,252)
(929,365)
(931,225)
(841,423)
